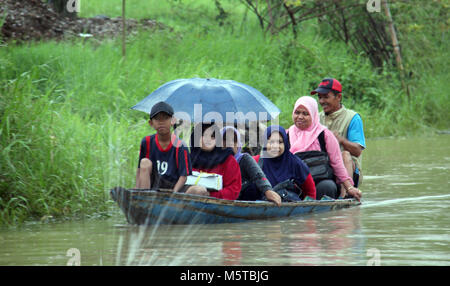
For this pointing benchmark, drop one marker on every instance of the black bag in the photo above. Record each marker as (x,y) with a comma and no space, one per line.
(288,191)
(318,162)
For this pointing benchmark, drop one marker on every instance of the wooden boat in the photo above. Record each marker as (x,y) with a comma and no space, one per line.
(164,207)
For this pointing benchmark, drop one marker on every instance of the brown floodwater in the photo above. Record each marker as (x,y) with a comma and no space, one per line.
(404,220)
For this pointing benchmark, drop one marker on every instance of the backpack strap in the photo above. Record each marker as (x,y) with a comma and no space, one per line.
(177,147)
(148,139)
(321,138)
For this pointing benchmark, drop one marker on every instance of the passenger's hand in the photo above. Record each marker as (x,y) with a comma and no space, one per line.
(355,192)
(273,197)
(197,190)
(343,192)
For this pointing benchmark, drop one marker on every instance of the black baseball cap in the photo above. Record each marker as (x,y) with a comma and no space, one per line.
(327,85)
(161,107)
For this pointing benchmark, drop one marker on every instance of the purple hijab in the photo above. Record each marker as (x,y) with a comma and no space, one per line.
(238,154)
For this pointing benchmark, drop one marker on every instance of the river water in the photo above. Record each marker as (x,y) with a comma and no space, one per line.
(404,220)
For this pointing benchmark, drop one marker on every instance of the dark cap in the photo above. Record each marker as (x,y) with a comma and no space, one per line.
(327,85)
(161,107)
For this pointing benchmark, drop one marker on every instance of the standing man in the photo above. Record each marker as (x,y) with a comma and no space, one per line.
(346,125)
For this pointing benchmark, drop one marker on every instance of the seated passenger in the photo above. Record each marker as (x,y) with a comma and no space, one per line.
(306,135)
(282,167)
(207,157)
(254,182)
(164,162)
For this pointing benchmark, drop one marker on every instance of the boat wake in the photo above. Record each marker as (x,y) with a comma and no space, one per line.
(402,200)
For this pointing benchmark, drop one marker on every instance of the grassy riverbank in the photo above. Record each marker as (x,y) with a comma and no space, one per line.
(67,133)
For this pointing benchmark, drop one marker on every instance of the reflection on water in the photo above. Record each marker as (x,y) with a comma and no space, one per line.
(313,240)
(404,218)
(317,239)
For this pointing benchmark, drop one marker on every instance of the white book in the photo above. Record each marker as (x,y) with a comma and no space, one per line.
(207,180)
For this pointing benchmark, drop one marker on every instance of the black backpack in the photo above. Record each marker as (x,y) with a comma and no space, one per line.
(318,162)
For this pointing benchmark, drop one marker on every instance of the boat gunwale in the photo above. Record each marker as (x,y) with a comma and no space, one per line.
(216,201)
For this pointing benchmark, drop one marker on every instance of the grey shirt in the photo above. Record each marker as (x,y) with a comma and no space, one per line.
(252,173)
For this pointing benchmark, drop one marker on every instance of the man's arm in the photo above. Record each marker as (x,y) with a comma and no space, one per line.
(355,141)
(354,148)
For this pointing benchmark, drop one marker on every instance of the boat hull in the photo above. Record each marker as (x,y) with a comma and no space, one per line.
(150,207)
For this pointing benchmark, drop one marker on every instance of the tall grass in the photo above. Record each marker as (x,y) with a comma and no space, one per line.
(67,133)
(54,161)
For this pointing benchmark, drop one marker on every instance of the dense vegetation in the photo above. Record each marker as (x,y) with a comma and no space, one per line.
(67,133)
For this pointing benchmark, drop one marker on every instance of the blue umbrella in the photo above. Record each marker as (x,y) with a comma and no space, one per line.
(197,97)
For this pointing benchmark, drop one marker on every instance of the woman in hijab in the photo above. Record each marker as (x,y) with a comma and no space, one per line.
(281,166)
(207,157)
(254,182)
(305,136)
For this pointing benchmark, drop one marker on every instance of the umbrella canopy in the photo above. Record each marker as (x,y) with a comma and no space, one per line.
(224,100)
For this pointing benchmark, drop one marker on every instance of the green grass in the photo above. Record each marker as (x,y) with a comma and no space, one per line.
(67,133)
(55,161)
(182,15)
